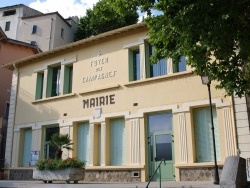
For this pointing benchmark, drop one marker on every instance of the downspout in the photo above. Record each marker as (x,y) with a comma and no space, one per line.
(235,126)
(51,25)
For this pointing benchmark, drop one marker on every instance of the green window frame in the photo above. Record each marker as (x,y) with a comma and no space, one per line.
(39,85)
(203,134)
(117,142)
(68,76)
(134,65)
(53,83)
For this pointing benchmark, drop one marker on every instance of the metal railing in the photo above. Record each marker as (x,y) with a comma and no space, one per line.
(151,178)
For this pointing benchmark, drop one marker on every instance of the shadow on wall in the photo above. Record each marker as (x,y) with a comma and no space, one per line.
(25,109)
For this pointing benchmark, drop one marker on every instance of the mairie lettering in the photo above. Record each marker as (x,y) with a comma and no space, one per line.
(99,101)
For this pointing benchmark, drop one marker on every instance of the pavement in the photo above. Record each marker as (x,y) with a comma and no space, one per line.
(62,184)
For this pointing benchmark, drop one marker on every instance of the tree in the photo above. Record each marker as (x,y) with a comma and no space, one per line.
(59,142)
(214,36)
(104,17)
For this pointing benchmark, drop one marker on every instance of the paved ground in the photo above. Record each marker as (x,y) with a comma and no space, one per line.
(58,184)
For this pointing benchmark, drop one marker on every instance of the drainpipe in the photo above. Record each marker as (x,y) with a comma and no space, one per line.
(235,126)
(51,25)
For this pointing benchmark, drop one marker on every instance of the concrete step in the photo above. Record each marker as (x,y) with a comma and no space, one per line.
(61,184)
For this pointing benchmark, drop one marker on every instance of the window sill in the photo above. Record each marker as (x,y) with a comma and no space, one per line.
(198,165)
(158,78)
(53,98)
(99,89)
(134,167)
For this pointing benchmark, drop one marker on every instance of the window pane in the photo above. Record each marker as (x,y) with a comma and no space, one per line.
(159,68)
(83,142)
(39,86)
(160,122)
(56,81)
(180,66)
(203,135)
(68,74)
(136,64)
(34,29)
(7,26)
(117,142)
(27,146)
(163,147)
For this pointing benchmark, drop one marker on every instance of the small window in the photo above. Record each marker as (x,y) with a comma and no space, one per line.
(34,29)
(62,32)
(134,65)
(9,12)
(7,26)
(33,43)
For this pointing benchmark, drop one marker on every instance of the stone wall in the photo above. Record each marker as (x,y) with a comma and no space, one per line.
(197,174)
(21,174)
(111,176)
(90,175)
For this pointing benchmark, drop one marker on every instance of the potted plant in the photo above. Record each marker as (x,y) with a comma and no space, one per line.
(70,169)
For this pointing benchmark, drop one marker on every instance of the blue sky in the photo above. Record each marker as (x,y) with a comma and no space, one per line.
(66,7)
(4,3)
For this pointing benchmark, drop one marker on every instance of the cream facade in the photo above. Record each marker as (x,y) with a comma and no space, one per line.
(123,115)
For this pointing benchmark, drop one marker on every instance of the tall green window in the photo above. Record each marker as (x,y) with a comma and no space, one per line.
(203,135)
(157,69)
(83,141)
(134,65)
(117,142)
(53,84)
(68,75)
(160,68)
(39,85)
(27,136)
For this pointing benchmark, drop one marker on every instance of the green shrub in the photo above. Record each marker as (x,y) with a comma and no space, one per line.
(57,164)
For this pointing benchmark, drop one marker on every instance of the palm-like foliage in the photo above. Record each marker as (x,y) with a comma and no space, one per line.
(59,142)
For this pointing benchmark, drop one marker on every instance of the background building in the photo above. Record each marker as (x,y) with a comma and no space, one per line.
(123,114)
(47,31)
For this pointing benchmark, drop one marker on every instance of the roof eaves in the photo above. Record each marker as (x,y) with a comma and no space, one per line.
(76,44)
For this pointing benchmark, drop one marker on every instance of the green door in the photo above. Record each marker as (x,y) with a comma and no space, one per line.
(161,146)
(163,150)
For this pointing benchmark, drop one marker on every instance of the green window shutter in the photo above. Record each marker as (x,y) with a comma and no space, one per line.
(203,135)
(99,145)
(39,86)
(131,63)
(83,141)
(117,142)
(27,146)
(49,82)
(67,88)
(148,53)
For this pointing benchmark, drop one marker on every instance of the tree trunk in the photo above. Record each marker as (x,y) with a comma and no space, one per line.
(58,154)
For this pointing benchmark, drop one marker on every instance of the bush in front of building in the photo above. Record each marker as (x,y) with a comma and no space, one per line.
(59,164)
